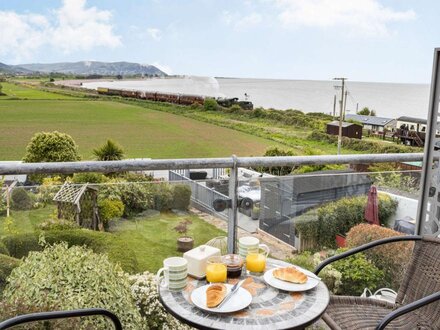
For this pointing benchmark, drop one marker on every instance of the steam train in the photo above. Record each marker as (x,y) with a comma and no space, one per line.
(184,99)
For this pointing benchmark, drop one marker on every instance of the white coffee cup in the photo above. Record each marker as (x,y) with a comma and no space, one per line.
(175,271)
(251,244)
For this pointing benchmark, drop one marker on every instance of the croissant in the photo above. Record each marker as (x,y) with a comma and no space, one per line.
(290,274)
(215,295)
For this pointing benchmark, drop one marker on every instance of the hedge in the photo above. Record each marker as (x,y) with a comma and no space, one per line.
(21,244)
(361,145)
(391,258)
(324,222)
(7,264)
(3,249)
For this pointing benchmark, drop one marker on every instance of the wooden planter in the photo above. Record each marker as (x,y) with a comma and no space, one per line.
(340,241)
(184,244)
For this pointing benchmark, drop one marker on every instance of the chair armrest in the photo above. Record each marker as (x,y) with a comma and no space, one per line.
(366,247)
(21,319)
(408,308)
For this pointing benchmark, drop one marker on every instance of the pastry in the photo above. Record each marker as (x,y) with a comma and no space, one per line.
(215,294)
(290,274)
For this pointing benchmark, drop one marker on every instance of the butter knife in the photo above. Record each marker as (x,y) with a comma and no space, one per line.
(233,290)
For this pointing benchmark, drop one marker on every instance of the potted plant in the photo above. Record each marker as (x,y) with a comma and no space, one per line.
(255,213)
(184,243)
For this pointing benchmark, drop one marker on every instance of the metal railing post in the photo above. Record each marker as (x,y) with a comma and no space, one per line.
(427,217)
(233,214)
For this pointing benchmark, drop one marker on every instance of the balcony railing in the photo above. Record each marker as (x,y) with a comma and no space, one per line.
(232,163)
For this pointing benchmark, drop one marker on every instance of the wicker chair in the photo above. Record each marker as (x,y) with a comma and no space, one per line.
(418,300)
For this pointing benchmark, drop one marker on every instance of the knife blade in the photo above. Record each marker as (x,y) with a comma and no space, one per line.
(233,290)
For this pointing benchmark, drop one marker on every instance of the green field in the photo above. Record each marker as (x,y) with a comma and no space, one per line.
(14,91)
(143,133)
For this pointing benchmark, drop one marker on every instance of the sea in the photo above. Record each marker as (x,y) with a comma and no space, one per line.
(390,100)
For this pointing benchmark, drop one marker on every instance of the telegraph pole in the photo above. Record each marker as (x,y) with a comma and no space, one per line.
(345,103)
(334,107)
(341,113)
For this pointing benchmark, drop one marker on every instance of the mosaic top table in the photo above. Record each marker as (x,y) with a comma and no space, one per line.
(270,308)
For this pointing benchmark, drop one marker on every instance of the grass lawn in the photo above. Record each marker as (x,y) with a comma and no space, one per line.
(142,132)
(23,92)
(152,239)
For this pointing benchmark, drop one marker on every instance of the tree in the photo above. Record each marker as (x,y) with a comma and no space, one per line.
(51,147)
(365,112)
(109,151)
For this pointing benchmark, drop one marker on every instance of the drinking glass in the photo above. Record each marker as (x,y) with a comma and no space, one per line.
(216,270)
(255,262)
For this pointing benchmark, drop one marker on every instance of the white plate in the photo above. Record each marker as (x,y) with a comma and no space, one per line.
(239,300)
(287,286)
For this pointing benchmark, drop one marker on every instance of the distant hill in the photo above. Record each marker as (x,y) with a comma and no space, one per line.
(93,67)
(12,69)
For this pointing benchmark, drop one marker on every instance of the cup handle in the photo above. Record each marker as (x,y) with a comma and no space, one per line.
(158,277)
(265,248)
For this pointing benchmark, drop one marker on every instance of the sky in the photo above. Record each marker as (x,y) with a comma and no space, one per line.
(364,40)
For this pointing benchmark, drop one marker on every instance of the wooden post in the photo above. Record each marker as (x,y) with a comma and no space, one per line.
(7,201)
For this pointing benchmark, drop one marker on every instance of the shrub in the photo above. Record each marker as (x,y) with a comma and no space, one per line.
(110,209)
(80,178)
(48,189)
(144,291)
(3,249)
(323,223)
(90,281)
(163,196)
(53,223)
(392,258)
(20,245)
(7,264)
(358,273)
(109,151)
(50,147)
(137,177)
(210,104)
(136,197)
(20,199)
(329,275)
(277,170)
(9,310)
(181,196)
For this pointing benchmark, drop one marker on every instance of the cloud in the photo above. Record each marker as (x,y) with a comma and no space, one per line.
(241,22)
(155,33)
(163,67)
(367,17)
(70,28)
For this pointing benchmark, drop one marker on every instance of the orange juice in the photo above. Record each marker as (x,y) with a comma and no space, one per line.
(216,270)
(256,262)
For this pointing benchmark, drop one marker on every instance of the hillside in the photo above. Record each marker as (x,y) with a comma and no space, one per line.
(12,69)
(93,67)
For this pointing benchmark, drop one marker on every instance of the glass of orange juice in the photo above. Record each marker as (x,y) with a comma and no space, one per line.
(216,270)
(255,262)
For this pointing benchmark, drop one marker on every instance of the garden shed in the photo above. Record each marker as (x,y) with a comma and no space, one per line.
(79,202)
(348,129)
(283,198)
